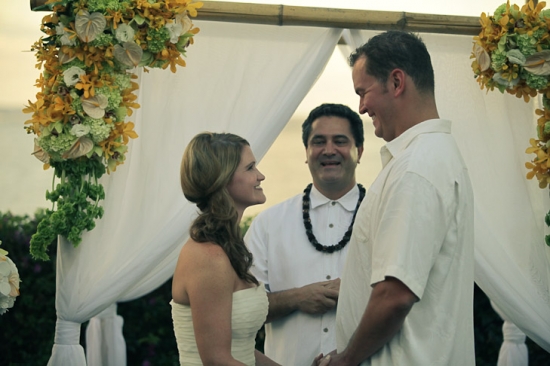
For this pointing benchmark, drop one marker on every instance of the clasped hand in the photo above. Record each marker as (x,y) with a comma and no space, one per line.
(320,297)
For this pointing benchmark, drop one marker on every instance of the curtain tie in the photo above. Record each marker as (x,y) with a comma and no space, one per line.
(512,333)
(67,332)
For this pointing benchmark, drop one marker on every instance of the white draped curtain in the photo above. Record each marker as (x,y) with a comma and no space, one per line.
(493,130)
(249,79)
(244,79)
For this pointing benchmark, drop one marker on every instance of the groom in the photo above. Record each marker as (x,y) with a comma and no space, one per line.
(407,287)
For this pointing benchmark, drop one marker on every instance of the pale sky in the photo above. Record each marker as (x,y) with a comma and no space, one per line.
(20,28)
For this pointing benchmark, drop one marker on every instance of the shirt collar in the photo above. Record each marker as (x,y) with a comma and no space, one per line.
(348,201)
(400,143)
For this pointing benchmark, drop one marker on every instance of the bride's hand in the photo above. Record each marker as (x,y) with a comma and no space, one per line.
(321,361)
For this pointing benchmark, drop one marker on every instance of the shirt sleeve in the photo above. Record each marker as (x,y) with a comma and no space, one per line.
(256,239)
(412,227)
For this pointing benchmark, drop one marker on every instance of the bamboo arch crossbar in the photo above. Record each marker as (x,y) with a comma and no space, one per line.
(331,18)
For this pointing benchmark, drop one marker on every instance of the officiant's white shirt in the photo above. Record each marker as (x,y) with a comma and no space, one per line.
(416,224)
(284,259)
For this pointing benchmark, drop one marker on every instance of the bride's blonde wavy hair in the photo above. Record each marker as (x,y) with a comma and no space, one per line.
(207,166)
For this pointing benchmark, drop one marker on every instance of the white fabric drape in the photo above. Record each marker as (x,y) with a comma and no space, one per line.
(244,79)
(493,130)
(105,343)
(513,351)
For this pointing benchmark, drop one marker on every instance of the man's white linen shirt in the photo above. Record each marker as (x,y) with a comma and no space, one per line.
(285,259)
(416,225)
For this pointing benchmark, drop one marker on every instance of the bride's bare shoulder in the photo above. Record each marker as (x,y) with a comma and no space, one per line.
(205,253)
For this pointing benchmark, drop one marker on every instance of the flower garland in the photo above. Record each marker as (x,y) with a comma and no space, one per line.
(512,54)
(86,93)
(9,282)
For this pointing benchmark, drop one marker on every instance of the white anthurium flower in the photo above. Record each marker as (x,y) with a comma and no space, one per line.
(72,75)
(174,29)
(89,26)
(129,53)
(80,130)
(124,33)
(65,37)
(95,106)
(5,271)
(39,153)
(60,29)
(66,40)
(505,81)
(9,278)
(185,22)
(65,58)
(81,147)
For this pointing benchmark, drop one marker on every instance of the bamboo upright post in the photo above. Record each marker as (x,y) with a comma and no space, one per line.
(331,18)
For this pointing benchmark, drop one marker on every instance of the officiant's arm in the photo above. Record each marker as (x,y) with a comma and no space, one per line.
(389,304)
(315,298)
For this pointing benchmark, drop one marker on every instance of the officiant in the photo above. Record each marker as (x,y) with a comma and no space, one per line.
(300,245)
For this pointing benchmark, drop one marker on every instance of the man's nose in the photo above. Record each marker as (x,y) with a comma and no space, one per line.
(329,148)
(362,108)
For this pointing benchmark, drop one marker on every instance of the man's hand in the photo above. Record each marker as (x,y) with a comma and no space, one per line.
(315,298)
(319,297)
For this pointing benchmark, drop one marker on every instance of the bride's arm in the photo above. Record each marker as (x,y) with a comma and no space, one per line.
(263,360)
(210,290)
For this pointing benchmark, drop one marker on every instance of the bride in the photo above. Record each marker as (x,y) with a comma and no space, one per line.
(218,306)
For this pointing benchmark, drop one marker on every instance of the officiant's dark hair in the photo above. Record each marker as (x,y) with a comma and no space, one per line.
(335,110)
(207,167)
(397,50)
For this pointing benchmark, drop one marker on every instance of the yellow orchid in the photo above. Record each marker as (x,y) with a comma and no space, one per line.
(114,18)
(126,131)
(88,83)
(539,165)
(34,107)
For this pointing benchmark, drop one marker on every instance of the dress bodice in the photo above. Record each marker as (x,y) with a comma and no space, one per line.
(249,312)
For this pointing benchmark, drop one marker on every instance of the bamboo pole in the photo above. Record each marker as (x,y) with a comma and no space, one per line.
(331,18)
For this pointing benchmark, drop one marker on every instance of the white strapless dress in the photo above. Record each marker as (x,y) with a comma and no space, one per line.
(248,315)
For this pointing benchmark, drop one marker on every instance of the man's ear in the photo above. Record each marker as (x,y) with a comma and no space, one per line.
(359,153)
(397,81)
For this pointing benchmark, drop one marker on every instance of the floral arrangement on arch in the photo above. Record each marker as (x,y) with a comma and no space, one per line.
(512,54)
(9,282)
(86,93)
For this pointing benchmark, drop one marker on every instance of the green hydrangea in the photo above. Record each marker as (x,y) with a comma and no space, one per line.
(158,39)
(103,5)
(102,40)
(74,62)
(121,113)
(526,44)
(499,12)
(498,60)
(76,105)
(534,81)
(544,14)
(123,80)
(57,145)
(99,130)
(114,97)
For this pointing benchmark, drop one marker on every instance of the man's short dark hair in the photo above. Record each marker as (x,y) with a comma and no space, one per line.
(397,50)
(335,110)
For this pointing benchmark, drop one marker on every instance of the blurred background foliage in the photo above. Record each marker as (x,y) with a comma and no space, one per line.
(27,329)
